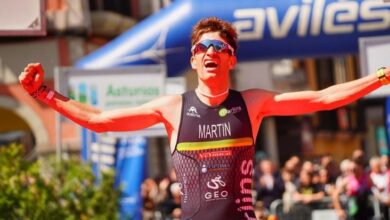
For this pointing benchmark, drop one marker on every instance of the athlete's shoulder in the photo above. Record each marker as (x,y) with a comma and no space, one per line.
(167,105)
(255,99)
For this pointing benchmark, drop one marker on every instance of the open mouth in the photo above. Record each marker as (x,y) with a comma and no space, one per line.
(210,64)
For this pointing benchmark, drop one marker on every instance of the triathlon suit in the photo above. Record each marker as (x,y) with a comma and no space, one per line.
(213,159)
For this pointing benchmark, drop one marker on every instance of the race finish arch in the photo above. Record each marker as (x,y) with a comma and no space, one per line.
(267,29)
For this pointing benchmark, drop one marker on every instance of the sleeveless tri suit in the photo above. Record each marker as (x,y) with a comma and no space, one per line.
(213,159)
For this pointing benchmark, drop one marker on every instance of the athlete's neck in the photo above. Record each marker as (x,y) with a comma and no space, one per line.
(209,95)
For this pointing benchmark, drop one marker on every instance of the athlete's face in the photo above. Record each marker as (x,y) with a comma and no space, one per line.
(211,64)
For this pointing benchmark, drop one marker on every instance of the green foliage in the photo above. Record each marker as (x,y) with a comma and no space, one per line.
(50,190)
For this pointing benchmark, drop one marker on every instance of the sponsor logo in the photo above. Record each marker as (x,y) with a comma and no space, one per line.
(312,17)
(245,193)
(214,167)
(216,184)
(206,155)
(184,188)
(192,112)
(224,111)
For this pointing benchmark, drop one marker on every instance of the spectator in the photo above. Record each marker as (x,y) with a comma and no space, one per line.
(176,199)
(324,182)
(293,165)
(308,166)
(289,191)
(346,169)
(307,192)
(356,186)
(259,210)
(165,198)
(170,208)
(269,185)
(315,177)
(380,185)
(149,192)
(165,184)
(360,156)
(328,163)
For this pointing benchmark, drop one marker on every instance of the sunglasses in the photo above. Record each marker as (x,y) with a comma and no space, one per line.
(219,46)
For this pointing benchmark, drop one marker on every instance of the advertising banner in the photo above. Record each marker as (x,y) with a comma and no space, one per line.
(130,173)
(267,30)
(384,147)
(111,89)
(117,88)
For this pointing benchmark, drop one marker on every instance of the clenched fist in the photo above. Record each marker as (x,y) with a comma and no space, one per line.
(32,77)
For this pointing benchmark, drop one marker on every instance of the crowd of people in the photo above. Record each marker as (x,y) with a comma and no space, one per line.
(348,187)
(161,198)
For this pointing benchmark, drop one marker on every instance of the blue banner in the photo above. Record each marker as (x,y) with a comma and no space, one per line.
(267,29)
(102,153)
(130,173)
(384,148)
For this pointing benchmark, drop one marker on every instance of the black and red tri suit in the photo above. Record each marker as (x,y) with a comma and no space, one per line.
(213,159)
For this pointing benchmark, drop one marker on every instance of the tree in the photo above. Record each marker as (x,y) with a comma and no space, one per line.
(46,189)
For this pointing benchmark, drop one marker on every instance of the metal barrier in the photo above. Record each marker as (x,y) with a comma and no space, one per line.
(378,215)
(299,211)
(321,210)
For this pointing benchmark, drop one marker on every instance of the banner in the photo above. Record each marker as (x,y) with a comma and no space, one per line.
(130,173)
(267,29)
(384,147)
(103,154)
(110,89)
(115,88)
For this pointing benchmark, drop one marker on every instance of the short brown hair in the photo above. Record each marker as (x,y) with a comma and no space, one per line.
(214,24)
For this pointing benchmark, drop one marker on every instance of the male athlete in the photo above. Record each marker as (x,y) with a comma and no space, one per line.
(211,130)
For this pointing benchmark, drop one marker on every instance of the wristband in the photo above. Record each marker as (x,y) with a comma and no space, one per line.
(49,95)
(380,73)
(39,91)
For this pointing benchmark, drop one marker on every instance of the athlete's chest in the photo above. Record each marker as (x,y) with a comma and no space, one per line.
(223,122)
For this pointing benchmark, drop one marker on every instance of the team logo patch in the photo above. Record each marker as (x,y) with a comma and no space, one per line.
(192,112)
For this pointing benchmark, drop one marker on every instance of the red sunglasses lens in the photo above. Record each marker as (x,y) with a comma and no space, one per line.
(219,46)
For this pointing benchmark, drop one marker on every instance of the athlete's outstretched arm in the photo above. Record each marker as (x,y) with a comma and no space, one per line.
(310,101)
(87,116)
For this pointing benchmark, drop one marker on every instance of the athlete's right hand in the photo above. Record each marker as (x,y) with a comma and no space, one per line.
(32,77)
